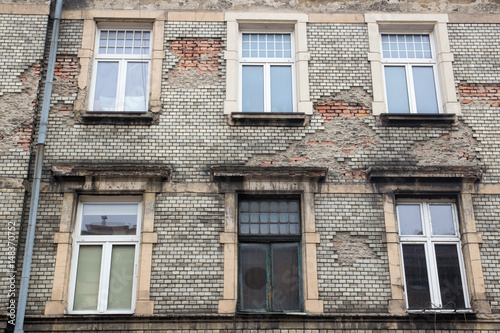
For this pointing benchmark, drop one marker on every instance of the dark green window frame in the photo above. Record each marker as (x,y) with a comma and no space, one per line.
(269,263)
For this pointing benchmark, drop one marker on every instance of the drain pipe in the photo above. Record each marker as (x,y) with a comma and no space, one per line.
(35,190)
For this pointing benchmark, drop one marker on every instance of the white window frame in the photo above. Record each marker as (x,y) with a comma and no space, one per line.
(409,23)
(107,242)
(267,63)
(409,63)
(269,22)
(429,240)
(122,59)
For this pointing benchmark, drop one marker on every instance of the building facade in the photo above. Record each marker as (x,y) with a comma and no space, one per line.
(276,166)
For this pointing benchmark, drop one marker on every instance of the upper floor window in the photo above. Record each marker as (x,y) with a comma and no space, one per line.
(412,66)
(410,73)
(267,68)
(120,79)
(433,266)
(106,250)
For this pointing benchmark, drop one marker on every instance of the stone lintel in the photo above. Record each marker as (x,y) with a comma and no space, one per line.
(432,173)
(114,171)
(237,172)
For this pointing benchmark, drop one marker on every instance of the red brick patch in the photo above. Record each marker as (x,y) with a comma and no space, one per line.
(67,68)
(334,109)
(486,94)
(23,137)
(201,55)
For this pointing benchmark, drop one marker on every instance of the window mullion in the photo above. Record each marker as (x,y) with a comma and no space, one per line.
(267,87)
(411,88)
(269,284)
(120,89)
(104,280)
(433,276)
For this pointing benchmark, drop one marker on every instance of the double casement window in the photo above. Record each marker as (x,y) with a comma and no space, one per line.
(410,73)
(269,254)
(105,256)
(267,67)
(120,80)
(431,252)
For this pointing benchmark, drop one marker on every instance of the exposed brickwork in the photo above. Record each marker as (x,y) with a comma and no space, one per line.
(24,137)
(11,201)
(338,59)
(487,211)
(341,109)
(187,261)
(70,37)
(489,95)
(475,48)
(353,271)
(192,134)
(67,68)
(200,55)
(477,74)
(42,272)
(22,42)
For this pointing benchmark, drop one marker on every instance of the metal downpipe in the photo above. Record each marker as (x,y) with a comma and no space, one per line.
(35,190)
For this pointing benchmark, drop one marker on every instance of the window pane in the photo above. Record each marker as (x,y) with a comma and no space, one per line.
(105,86)
(404,46)
(417,283)
(269,216)
(450,280)
(397,91)
(442,220)
(425,89)
(87,278)
(252,89)
(109,219)
(281,89)
(121,277)
(285,277)
(266,45)
(253,279)
(136,86)
(410,222)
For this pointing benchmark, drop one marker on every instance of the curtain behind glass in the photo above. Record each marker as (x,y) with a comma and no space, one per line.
(87,278)
(121,277)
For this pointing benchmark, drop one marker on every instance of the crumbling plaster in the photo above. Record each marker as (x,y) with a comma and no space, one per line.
(312,6)
(18,109)
(350,144)
(350,249)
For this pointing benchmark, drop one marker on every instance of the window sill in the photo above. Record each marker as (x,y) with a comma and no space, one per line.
(267,119)
(440,311)
(418,120)
(118,118)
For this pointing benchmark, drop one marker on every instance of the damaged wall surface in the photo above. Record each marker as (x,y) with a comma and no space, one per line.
(188,161)
(21,63)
